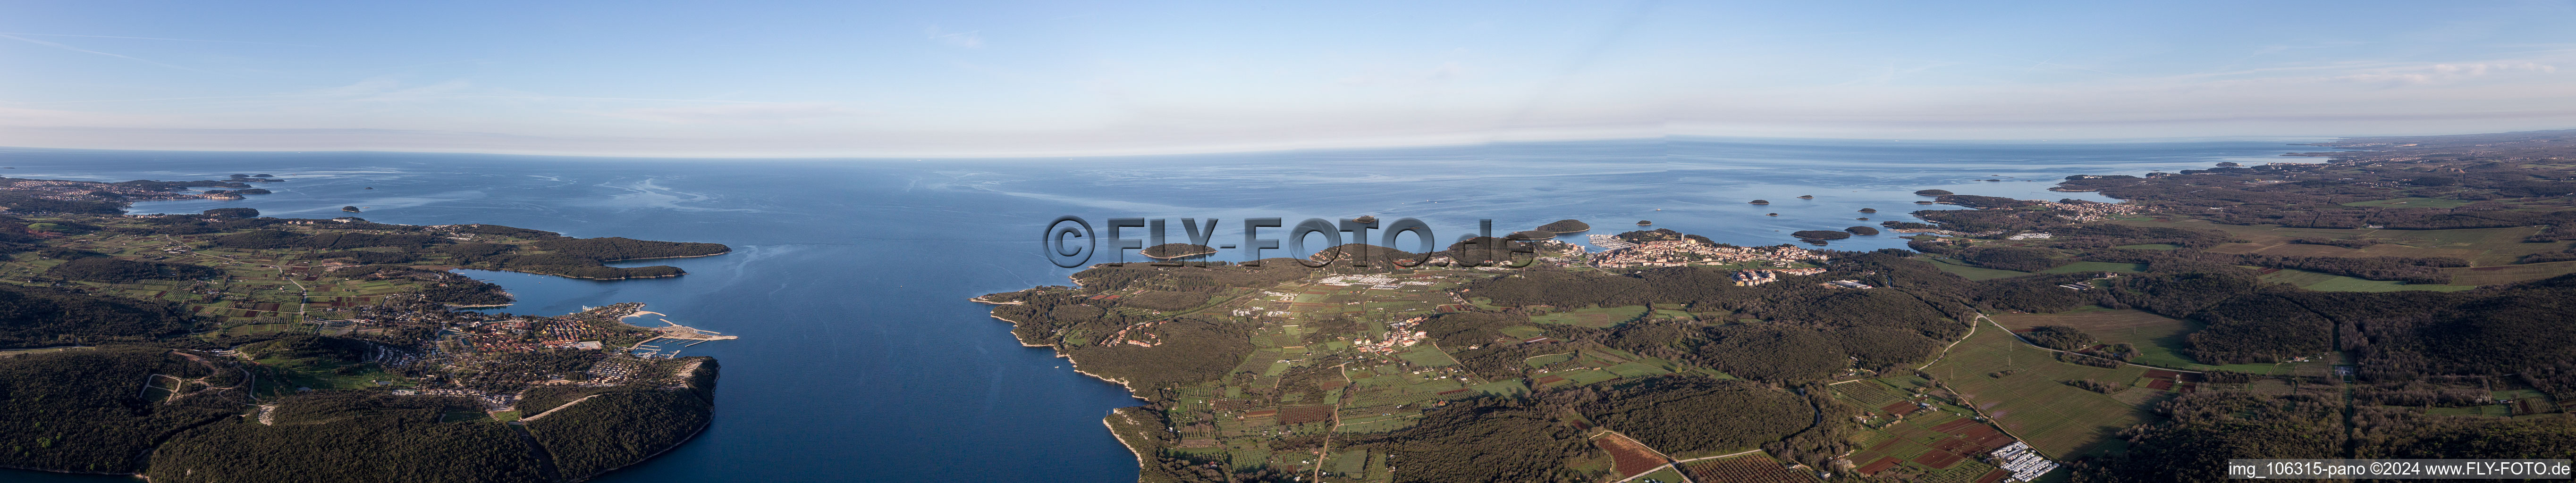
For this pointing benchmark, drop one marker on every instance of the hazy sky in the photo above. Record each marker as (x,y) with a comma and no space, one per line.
(1011,78)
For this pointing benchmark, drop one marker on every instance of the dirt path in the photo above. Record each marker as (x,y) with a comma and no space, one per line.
(557,408)
(1945,350)
(1327,452)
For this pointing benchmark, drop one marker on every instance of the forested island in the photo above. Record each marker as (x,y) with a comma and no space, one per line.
(1169,251)
(2407,300)
(226,346)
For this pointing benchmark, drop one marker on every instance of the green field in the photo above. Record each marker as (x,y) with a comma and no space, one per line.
(2482,247)
(2509,273)
(2082,267)
(2159,339)
(1972,272)
(1593,317)
(2409,203)
(2031,402)
(2338,283)
(1425,355)
(1665,475)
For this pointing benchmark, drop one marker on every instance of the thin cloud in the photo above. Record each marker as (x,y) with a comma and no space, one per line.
(969,39)
(126,57)
(156,38)
(746,113)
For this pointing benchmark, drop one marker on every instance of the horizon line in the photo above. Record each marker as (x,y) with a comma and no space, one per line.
(1217,150)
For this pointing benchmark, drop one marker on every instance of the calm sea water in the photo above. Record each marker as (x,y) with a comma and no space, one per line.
(860,358)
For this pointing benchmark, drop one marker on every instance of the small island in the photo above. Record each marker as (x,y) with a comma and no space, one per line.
(1770,214)
(351,209)
(1762,202)
(1820,234)
(1806,197)
(1566,226)
(1169,251)
(1923,202)
(1862,230)
(1365,219)
(1869,210)
(1933,192)
(1644,222)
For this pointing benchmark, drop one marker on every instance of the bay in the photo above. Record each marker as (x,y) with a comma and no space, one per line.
(860,358)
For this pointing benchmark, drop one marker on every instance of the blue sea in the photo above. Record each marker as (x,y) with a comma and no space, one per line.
(861,358)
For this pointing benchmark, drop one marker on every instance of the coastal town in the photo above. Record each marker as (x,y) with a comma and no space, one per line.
(1675,253)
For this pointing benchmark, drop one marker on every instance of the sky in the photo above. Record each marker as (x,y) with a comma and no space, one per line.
(967,78)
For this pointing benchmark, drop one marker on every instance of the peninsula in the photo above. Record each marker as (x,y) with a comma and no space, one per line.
(2377,304)
(225,346)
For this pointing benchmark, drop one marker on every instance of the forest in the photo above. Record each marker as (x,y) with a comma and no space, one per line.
(1679,414)
(603,433)
(1485,440)
(351,436)
(82,410)
(610,249)
(564,256)
(2199,432)
(37,316)
(111,270)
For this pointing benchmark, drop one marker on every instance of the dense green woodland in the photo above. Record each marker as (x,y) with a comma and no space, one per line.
(553,254)
(84,411)
(36,317)
(352,436)
(2200,432)
(624,426)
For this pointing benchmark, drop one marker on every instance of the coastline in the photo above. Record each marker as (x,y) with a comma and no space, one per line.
(693,435)
(1070,361)
(1132,449)
(728,249)
(453,267)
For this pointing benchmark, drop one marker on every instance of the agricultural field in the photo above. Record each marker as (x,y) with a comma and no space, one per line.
(2337,283)
(1971,272)
(1322,363)
(2022,388)
(1935,444)
(2489,275)
(1753,468)
(2092,267)
(2159,339)
(2482,247)
(2409,203)
(1629,457)
(1662,475)
(1593,317)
